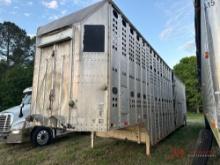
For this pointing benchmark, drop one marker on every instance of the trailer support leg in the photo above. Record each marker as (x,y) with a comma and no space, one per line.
(92,139)
(139,135)
(147,144)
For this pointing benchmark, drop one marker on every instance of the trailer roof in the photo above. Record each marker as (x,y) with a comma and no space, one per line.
(70,19)
(81,15)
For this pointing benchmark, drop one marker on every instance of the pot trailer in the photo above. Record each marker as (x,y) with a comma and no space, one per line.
(207,23)
(94,72)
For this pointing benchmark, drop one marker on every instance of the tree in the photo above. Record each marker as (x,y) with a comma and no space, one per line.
(186,70)
(14,44)
(3,67)
(12,85)
(16,63)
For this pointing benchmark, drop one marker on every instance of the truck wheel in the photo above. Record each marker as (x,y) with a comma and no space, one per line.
(41,136)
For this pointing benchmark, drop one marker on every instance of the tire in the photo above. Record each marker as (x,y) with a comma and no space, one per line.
(41,136)
(202,147)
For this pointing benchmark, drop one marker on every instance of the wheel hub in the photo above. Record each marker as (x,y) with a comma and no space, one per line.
(43,137)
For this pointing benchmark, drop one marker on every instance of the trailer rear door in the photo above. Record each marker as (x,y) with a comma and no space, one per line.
(54,82)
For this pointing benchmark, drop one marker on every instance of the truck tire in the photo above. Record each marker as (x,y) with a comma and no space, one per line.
(202,148)
(41,136)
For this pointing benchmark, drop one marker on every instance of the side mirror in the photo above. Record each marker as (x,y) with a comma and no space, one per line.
(21,109)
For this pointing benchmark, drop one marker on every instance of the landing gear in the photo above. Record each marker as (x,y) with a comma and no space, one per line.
(185,121)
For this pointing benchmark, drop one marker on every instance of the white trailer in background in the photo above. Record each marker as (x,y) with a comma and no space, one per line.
(95,72)
(179,102)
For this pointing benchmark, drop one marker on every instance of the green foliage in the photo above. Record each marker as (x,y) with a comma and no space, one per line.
(3,67)
(14,44)
(16,63)
(186,70)
(12,85)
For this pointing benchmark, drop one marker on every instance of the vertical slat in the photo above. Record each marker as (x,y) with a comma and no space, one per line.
(119,73)
(71,52)
(44,88)
(38,79)
(61,89)
(6,118)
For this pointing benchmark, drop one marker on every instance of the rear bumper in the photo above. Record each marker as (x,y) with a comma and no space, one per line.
(16,136)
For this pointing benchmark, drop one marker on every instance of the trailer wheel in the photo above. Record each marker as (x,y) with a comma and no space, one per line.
(41,136)
(203,147)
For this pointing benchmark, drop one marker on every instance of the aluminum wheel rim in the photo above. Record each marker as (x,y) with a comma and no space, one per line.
(42,137)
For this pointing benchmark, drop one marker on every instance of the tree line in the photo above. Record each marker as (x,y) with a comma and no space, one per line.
(17,51)
(187,71)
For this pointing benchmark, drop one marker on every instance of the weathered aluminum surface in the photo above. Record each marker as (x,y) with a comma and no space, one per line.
(71,19)
(210,60)
(179,102)
(70,86)
(127,84)
(64,35)
(143,80)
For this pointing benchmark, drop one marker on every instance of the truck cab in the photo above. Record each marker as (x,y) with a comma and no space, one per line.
(12,120)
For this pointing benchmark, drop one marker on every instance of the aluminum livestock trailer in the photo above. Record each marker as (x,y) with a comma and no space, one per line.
(95,72)
(208,54)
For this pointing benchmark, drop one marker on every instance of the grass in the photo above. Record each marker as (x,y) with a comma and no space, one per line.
(75,149)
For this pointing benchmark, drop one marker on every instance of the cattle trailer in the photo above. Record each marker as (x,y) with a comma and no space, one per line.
(94,72)
(207,25)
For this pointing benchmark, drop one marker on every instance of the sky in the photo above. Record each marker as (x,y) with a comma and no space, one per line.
(168,25)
